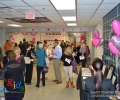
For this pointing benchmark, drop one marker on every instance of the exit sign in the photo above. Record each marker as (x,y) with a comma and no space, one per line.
(30,16)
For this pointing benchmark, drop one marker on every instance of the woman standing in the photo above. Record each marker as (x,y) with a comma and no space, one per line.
(48,53)
(97,84)
(67,59)
(19,59)
(29,67)
(40,56)
(14,79)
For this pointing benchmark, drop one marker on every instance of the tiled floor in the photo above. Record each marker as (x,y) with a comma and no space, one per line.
(51,91)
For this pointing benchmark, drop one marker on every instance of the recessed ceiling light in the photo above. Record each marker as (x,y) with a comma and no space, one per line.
(1,22)
(71,24)
(14,25)
(69,18)
(64,4)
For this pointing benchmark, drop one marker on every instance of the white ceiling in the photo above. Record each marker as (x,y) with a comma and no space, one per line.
(88,12)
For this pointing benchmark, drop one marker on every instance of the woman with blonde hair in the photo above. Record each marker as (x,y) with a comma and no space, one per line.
(19,59)
(67,60)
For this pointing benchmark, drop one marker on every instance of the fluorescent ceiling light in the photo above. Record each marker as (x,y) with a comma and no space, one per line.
(71,24)
(1,22)
(64,4)
(71,18)
(14,25)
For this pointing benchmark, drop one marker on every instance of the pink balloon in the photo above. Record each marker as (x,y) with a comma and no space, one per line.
(81,37)
(96,34)
(96,42)
(12,40)
(116,27)
(101,41)
(34,39)
(113,49)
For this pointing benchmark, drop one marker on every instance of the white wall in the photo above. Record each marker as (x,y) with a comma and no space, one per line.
(2,39)
(39,37)
(99,50)
(88,39)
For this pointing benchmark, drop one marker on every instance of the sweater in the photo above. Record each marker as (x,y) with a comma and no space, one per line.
(40,56)
(64,60)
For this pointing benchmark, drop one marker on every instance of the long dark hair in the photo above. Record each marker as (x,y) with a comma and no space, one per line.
(98,79)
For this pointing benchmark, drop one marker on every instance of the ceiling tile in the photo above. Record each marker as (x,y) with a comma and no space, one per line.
(111,1)
(88,2)
(44,8)
(24,9)
(102,12)
(98,16)
(94,22)
(107,6)
(85,11)
(83,17)
(13,3)
(37,2)
(89,7)
(48,12)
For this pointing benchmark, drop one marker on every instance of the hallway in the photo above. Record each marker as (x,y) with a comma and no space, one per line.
(51,91)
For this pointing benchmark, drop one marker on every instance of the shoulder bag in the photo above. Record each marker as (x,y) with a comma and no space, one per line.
(45,68)
(27,59)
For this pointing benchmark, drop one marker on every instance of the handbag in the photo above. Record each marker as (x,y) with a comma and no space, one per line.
(82,57)
(74,65)
(27,59)
(45,68)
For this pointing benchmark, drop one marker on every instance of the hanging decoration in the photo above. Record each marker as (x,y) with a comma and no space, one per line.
(114,44)
(24,33)
(80,28)
(97,41)
(48,29)
(32,33)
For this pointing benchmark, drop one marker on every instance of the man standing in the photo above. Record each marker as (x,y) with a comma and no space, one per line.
(83,52)
(57,53)
(7,47)
(23,47)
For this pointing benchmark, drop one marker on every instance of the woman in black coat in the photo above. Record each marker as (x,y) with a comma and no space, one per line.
(14,79)
(98,87)
(29,67)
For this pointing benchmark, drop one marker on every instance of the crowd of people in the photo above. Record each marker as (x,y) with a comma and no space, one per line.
(17,64)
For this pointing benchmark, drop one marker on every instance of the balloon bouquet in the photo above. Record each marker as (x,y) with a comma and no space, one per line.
(97,41)
(12,40)
(114,44)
